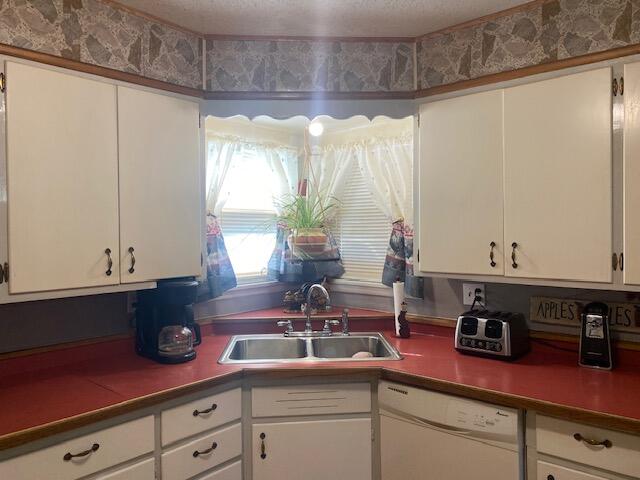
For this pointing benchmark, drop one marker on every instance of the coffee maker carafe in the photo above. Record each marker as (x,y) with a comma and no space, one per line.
(165,328)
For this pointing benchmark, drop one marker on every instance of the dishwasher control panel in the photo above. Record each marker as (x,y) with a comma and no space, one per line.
(473,415)
(447,412)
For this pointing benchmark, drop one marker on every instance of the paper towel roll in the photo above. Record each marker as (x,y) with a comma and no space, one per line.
(398,298)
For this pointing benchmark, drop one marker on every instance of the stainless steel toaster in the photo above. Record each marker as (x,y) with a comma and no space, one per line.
(492,334)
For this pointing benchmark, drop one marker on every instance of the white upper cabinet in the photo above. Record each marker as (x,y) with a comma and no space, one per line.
(460,178)
(62,180)
(631,258)
(557,178)
(160,210)
(90,170)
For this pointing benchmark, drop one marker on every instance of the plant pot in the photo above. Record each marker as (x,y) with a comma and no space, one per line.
(310,235)
(308,242)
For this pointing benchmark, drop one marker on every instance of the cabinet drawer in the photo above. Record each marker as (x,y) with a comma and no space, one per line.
(200,415)
(557,437)
(138,471)
(184,462)
(548,471)
(311,399)
(115,445)
(230,472)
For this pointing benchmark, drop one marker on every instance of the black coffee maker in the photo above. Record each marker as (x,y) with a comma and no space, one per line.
(165,328)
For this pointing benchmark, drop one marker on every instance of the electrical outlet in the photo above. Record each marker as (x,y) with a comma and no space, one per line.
(132,298)
(469,292)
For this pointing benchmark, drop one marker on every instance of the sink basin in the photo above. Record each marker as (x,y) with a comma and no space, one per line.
(280,349)
(261,348)
(347,347)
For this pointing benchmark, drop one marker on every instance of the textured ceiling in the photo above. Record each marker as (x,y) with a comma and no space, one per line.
(351,18)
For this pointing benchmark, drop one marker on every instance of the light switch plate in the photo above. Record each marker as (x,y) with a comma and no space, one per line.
(469,292)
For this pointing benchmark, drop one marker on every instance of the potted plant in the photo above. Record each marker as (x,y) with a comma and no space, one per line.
(306,218)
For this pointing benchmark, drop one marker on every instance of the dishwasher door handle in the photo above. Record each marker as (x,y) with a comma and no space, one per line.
(428,423)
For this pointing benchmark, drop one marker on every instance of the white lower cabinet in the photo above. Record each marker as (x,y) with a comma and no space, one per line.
(84,455)
(549,471)
(138,471)
(595,447)
(202,454)
(200,415)
(312,450)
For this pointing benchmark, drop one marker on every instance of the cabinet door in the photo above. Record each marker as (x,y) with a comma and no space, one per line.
(460,185)
(548,471)
(412,452)
(160,199)
(631,162)
(312,450)
(62,177)
(558,191)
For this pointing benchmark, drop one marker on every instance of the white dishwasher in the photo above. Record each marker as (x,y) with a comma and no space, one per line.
(431,436)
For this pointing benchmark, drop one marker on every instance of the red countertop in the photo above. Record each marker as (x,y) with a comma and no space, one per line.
(50,392)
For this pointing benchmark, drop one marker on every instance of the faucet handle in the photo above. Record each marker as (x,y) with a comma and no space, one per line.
(328,322)
(286,323)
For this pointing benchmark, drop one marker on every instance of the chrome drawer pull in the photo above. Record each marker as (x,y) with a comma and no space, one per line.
(68,456)
(204,412)
(514,264)
(213,446)
(594,443)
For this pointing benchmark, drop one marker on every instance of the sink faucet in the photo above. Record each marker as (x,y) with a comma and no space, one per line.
(308,329)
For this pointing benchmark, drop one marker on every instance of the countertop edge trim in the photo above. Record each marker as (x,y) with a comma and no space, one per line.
(606,420)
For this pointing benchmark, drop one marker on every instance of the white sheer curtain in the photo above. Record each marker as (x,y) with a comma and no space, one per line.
(386,166)
(329,171)
(282,161)
(283,164)
(221,151)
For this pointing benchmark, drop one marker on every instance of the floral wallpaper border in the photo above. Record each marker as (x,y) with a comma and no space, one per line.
(304,66)
(550,31)
(95,32)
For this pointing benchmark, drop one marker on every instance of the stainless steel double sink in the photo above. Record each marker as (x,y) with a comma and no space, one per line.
(280,349)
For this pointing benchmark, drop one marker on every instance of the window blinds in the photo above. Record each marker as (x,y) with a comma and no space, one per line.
(363,232)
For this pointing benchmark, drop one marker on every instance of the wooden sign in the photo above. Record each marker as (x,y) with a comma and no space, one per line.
(623,317)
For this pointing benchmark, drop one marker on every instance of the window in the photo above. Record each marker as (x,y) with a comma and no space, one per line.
(363,232)
(248,214)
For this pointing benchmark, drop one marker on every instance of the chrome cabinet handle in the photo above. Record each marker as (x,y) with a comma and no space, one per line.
(133,260)
(68,456)
(213,446)
(109,261)
(621,261)
(263,449)
(204,412)
(594,443)
(492,245)
(514,264)
(614,261)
